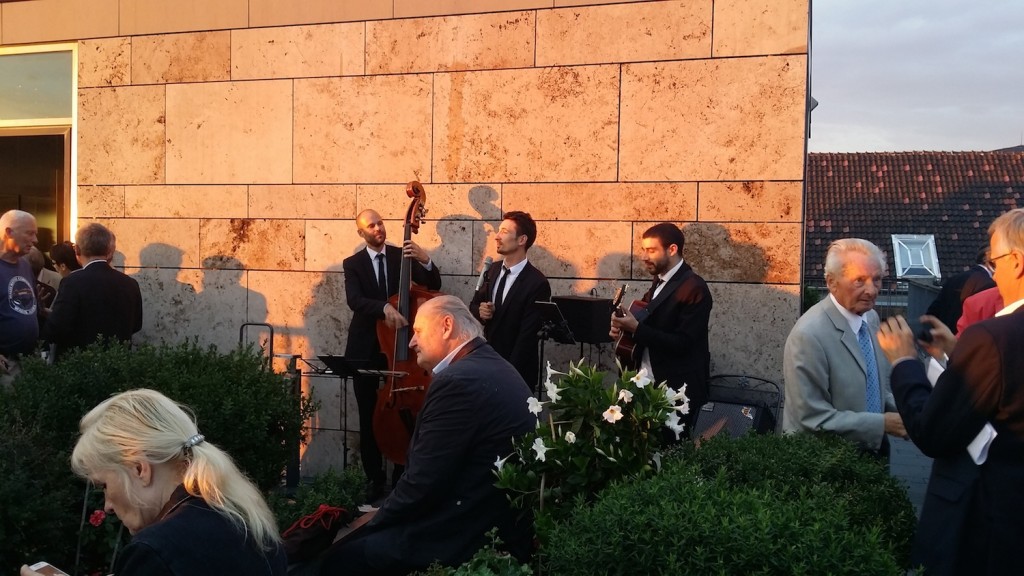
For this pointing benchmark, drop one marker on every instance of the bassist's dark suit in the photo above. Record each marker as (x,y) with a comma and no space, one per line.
(363,297)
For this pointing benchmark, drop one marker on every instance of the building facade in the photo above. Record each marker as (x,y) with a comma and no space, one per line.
(231,144)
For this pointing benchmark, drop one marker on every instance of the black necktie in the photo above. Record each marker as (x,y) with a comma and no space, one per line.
(382,280)
(500,294)
(654,286)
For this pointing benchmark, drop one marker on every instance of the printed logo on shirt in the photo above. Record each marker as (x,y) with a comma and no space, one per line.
(21,295)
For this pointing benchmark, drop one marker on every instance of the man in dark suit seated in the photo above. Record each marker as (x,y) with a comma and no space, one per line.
(971,522)
(95,302)
(446,501)
(671,333)
(504,303)
(371,278)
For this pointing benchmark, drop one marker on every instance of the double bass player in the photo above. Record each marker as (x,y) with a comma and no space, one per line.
(371,278)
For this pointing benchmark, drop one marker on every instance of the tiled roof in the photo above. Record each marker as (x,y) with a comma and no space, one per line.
(871,195)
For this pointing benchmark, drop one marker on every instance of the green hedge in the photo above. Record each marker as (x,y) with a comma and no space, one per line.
(780,505)
(241,407)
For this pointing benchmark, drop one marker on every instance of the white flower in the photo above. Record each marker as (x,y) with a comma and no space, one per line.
(539,448)
(570,437)
(534,405)
(551,374)
(676,396)
(656,458)
(552,391)
(642,378)
(674,424)
(499,462)
(625,395)
(613,414)
(678,399)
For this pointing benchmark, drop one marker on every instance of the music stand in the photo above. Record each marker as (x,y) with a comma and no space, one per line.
(554,325)
(344,367)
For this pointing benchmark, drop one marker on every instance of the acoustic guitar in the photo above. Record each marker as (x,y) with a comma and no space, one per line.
(625,346)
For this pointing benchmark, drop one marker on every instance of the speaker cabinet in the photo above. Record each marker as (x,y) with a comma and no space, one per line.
(589,318)
(739,418)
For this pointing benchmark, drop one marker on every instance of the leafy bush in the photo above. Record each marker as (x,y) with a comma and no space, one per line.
(756,505)
(331,488)
(593,434)
(488,561)
(874,499)
(241,407)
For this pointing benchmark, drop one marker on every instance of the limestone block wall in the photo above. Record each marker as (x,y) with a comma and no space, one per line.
(231,144)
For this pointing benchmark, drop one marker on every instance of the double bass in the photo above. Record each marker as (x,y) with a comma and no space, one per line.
(401,397)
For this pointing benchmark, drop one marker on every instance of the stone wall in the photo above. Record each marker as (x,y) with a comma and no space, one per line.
(230,145)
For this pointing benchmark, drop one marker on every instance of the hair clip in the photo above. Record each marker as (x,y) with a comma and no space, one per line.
(195,439)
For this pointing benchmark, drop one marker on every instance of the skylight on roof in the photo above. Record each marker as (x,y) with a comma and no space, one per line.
(915,256)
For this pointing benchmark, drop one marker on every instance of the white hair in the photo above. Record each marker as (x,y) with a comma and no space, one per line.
(146,425)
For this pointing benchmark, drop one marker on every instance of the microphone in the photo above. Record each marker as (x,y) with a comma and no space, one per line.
(480,281)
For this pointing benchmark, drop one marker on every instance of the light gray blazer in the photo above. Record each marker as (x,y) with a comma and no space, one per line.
(825,377)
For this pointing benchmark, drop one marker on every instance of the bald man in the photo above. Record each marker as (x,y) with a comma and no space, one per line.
(19,328)
(368,297)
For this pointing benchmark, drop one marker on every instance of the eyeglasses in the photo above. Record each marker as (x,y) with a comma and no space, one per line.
(992,261)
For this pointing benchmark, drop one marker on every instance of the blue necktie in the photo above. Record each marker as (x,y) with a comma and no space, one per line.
(874,393)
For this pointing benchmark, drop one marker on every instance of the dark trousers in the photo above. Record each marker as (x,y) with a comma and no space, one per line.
(365,388)
(352,558)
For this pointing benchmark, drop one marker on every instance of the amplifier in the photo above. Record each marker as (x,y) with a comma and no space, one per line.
(739,418)
(588,317)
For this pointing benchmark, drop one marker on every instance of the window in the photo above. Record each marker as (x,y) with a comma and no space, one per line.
(915,256)
(37,116)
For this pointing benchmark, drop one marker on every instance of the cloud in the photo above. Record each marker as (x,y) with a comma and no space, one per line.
(895,76)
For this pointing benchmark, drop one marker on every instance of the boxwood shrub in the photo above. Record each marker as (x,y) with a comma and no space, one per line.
(776,505)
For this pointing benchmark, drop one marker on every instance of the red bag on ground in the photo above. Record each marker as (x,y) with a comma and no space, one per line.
(313,533)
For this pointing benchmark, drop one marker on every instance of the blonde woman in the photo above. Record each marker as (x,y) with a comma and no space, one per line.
(190,511)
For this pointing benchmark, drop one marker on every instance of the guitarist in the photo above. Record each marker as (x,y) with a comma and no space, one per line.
(671,332)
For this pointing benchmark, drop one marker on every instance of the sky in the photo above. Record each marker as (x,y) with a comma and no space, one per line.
(905,75)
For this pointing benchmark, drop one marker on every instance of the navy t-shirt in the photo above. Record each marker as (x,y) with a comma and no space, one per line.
(19,327)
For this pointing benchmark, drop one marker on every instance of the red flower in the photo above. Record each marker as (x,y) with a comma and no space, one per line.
(97,517)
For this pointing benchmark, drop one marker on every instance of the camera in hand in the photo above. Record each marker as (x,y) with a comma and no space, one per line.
(925,334)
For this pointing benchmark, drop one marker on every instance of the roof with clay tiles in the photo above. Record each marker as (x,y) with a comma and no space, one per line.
(871,195)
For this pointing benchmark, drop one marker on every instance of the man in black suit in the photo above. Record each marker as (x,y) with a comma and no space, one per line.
(96,301)
(671,333)
(949,304)
(504,303)
(371,277)
(971,520)
(446,501)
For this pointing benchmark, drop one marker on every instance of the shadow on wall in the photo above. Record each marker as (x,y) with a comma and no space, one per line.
(754,317)
(750,312)
(224,303)
(168,304)
(326,320)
